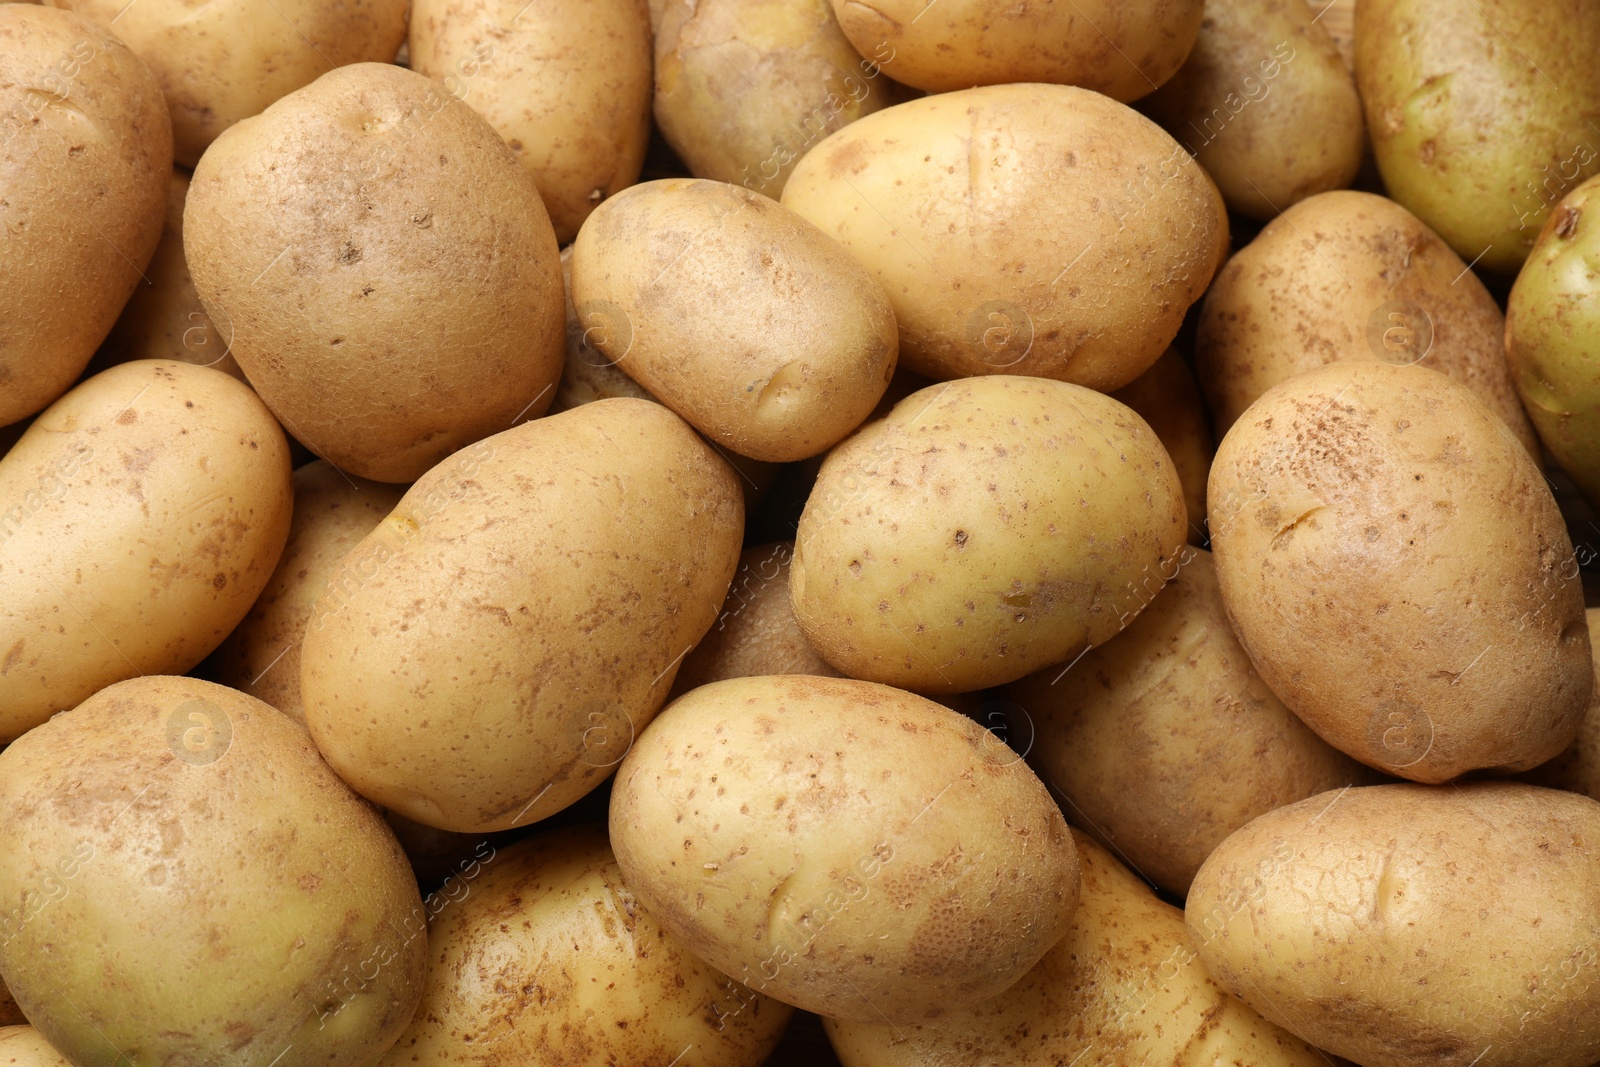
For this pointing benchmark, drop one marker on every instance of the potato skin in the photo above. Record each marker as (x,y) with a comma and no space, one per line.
(148,508)
(539,551)
(1400,574)
(1020,229)
(566,83)
(85,151)
(984,529)
(1404,924)
(1577,769)
(417,256)
(23,1046)
(845,847)
(1168,399)
(188,829)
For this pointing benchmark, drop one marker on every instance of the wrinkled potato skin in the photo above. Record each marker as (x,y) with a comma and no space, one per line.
(1400,574)
(1166,397)
(415,251)
(23,1046)
(222,62)
(1122,48)
(1020,229)
(601,981)
(1399,924)
(848,848)
(1578,768)
(1340,277)
(539,551)
(566,83)
(85,150)
(986,528)
(1121,989)
(190,824)
(150,505)
(1266,105)
(332,512)
(1481,113)
(1165,740)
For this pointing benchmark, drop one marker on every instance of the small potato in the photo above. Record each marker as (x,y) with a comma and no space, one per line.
(1578,768)
(1166,397)
(1020,229)
(844,847)
(23,1046)
(1399,573)
(736,313)
(142,515)
(85,154)
(1399,925)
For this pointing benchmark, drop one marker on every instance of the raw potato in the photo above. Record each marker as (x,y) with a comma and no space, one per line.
(220,63)
(1165,740)
(1020,229)
(1121,988)
(745,87)
(1122,48)
(1338,18)
(332,512)
(1400,574)
(736,313)
(1398,924)
(1266,105)
(23,1046)
(169,828)
(985,529)
(148,508)
(419,264)
(565,82)
(848,848)
(85,151)
(1578,768)
(1166,397)
(600,980)
(1343,276)
(484,657)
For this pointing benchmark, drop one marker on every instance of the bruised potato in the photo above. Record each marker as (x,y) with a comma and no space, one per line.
(1167,398)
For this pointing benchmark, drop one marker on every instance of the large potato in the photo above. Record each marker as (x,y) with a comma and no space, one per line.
(85,151)
(1578,768)
(1020,229)
(184,881)
(146,511)
(565,82)
(1168,399)
(23,1046)
(984,529)
(1400,574)
(484,657)
(845,847)
(1398,925)
(389,275)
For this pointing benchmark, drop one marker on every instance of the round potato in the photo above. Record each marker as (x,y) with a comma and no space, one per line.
(1166,397)
(1401,924)
(1399,573)
(169,828)
(1578,768)
(1020,229)
(23,1046)
(420,267)
(85,151)
(984,529)
(845,847)
(147,509)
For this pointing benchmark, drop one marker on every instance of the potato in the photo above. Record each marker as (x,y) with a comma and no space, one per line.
(1343,276)
(184,881)
(1485,119)
(1167,398)
(842,846)
(1402,924)
(87,148)
(1020,229)
(23,1046)
(1578,768)
(744,88)
(1338,18)
(145,510)
(1122,48)
(581,973)
(332,512)
(482,659)
(1266,105)
(565,82)
(1399,573)
(412,247)
(985,529)
(221,63)
(1122,987)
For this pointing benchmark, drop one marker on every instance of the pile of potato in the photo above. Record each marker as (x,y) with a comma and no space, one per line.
(702,533)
